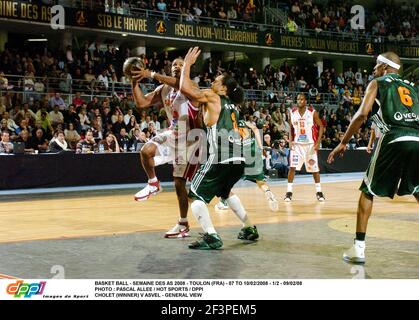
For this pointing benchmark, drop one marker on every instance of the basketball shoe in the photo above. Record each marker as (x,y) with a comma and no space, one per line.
(207,242)
(180,230)
(273,202)
(356,254)
(151,189)
(320,196)
(248,233)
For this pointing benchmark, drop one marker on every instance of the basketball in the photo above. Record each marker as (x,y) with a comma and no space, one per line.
(132,63)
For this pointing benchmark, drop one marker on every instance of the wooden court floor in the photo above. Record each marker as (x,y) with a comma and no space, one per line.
(88,214)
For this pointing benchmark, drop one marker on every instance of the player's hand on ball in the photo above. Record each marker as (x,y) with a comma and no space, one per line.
(339,150)
(139,75)
(192,55)
(132,64)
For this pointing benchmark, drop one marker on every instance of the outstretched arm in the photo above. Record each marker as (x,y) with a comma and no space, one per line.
(256,132)
(170,81)
(139,75)
(187,86)
(357,121)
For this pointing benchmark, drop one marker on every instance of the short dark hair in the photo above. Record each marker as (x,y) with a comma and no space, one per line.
(234,91)
(302,94)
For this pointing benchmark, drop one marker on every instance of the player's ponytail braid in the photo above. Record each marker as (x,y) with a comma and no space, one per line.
(234,91)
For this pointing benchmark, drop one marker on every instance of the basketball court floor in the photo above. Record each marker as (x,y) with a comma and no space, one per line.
(93,233)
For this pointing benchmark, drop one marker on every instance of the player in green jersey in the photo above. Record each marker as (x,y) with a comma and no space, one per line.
(394,169)
(254,165)
(225,163)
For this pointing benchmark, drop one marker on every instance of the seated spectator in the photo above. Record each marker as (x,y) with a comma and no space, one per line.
(132,123)
(103,81)
(222,14)
(39,86)
(78,101)
(261,82)
(45,123)
(232,13)
(24,126)
(26,110)
(123,140)
(119,124)
(84,119)
(39,142)
(71,136)
(4,83)
(3,125)
(291,25)
(24,137)
(88,144)
(150,131)
(71,116)
(267,141)
(57,100)
(15,112)
(90,79)
(119,8)
(65,81)
(301,84)
(11,125)
(138,138)
(279,158)
(28,82)
(58,144)
(5,145)
(97,128)
(275,134)
(110,143)
(56,116)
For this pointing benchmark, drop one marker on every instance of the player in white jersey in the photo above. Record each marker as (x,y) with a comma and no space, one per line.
(304,143)
(171,145)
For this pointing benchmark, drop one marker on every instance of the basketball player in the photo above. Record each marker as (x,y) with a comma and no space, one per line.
(225,164)
(304,144)
(254,166)
(394,168)
(169,145)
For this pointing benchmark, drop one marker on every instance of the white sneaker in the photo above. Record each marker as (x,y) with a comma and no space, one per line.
(356,254)
(180,230)
(273,202)
(221,205)
(149,190)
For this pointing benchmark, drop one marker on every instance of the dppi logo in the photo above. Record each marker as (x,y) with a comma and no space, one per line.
(27,290)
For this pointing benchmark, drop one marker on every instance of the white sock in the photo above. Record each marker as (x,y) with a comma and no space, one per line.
(153,180)
(318,187)
(237,207)
(289,187)
(200,211)
(183,220)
